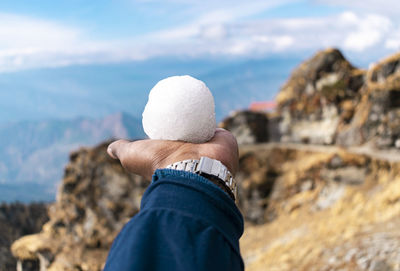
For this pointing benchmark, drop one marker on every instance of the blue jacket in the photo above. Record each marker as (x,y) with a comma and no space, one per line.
(185,223)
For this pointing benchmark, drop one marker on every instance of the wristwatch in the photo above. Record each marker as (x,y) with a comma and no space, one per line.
(211,169)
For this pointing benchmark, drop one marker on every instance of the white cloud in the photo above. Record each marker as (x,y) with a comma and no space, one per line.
(346,30)
(393,41)
(368,31)
(22,32)
(27,42)
(258,45)
(213,32)
(384,7)
(210,14)
(223,30)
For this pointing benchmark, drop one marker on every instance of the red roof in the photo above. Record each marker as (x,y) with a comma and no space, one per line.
(263,106)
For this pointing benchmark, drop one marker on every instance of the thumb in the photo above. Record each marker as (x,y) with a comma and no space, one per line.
(115,148)
(141,156)
(132,155)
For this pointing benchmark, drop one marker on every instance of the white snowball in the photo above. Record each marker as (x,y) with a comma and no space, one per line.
(180,108)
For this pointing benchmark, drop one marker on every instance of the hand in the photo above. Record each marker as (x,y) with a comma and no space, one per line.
(143,157)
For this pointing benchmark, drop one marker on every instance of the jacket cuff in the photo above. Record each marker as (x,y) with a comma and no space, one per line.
(195,196)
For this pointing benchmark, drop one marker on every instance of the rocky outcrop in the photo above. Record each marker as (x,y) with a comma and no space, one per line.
(320,94)
(328,101)
(96,198)
(248,127)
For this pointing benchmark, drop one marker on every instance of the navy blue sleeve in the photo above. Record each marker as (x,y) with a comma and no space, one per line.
(185,223)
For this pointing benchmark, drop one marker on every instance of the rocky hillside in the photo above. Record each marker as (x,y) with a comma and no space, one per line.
(322,208)
(321,192)
(327,101)
(96,198)
(17,220)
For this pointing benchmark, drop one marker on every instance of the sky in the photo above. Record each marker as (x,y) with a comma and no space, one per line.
(46,33)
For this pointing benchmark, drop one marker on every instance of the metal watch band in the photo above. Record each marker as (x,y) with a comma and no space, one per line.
(208,166)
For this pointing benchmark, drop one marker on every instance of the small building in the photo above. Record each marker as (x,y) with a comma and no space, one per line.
(266,106)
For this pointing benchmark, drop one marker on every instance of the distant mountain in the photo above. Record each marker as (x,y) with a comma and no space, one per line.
(33,153)
(99,90)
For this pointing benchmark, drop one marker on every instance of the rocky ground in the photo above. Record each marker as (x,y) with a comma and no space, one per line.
(319,180)
(334,210)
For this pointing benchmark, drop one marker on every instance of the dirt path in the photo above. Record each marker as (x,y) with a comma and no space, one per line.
(391,155)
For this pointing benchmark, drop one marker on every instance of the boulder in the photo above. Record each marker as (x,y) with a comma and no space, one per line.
(247,126)
(320,94)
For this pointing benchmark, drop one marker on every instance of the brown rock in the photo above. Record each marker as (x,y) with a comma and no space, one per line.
(27,247)
(247,126)
(320,94)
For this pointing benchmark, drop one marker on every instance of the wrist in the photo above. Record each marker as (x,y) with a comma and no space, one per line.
(218,182)
(211,169)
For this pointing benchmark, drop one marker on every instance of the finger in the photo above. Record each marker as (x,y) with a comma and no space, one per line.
(134,156)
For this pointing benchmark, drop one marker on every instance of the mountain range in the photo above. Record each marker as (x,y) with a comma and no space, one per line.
(96,91)
(33,153)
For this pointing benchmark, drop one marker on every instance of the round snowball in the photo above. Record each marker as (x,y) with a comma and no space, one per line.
(180,108)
